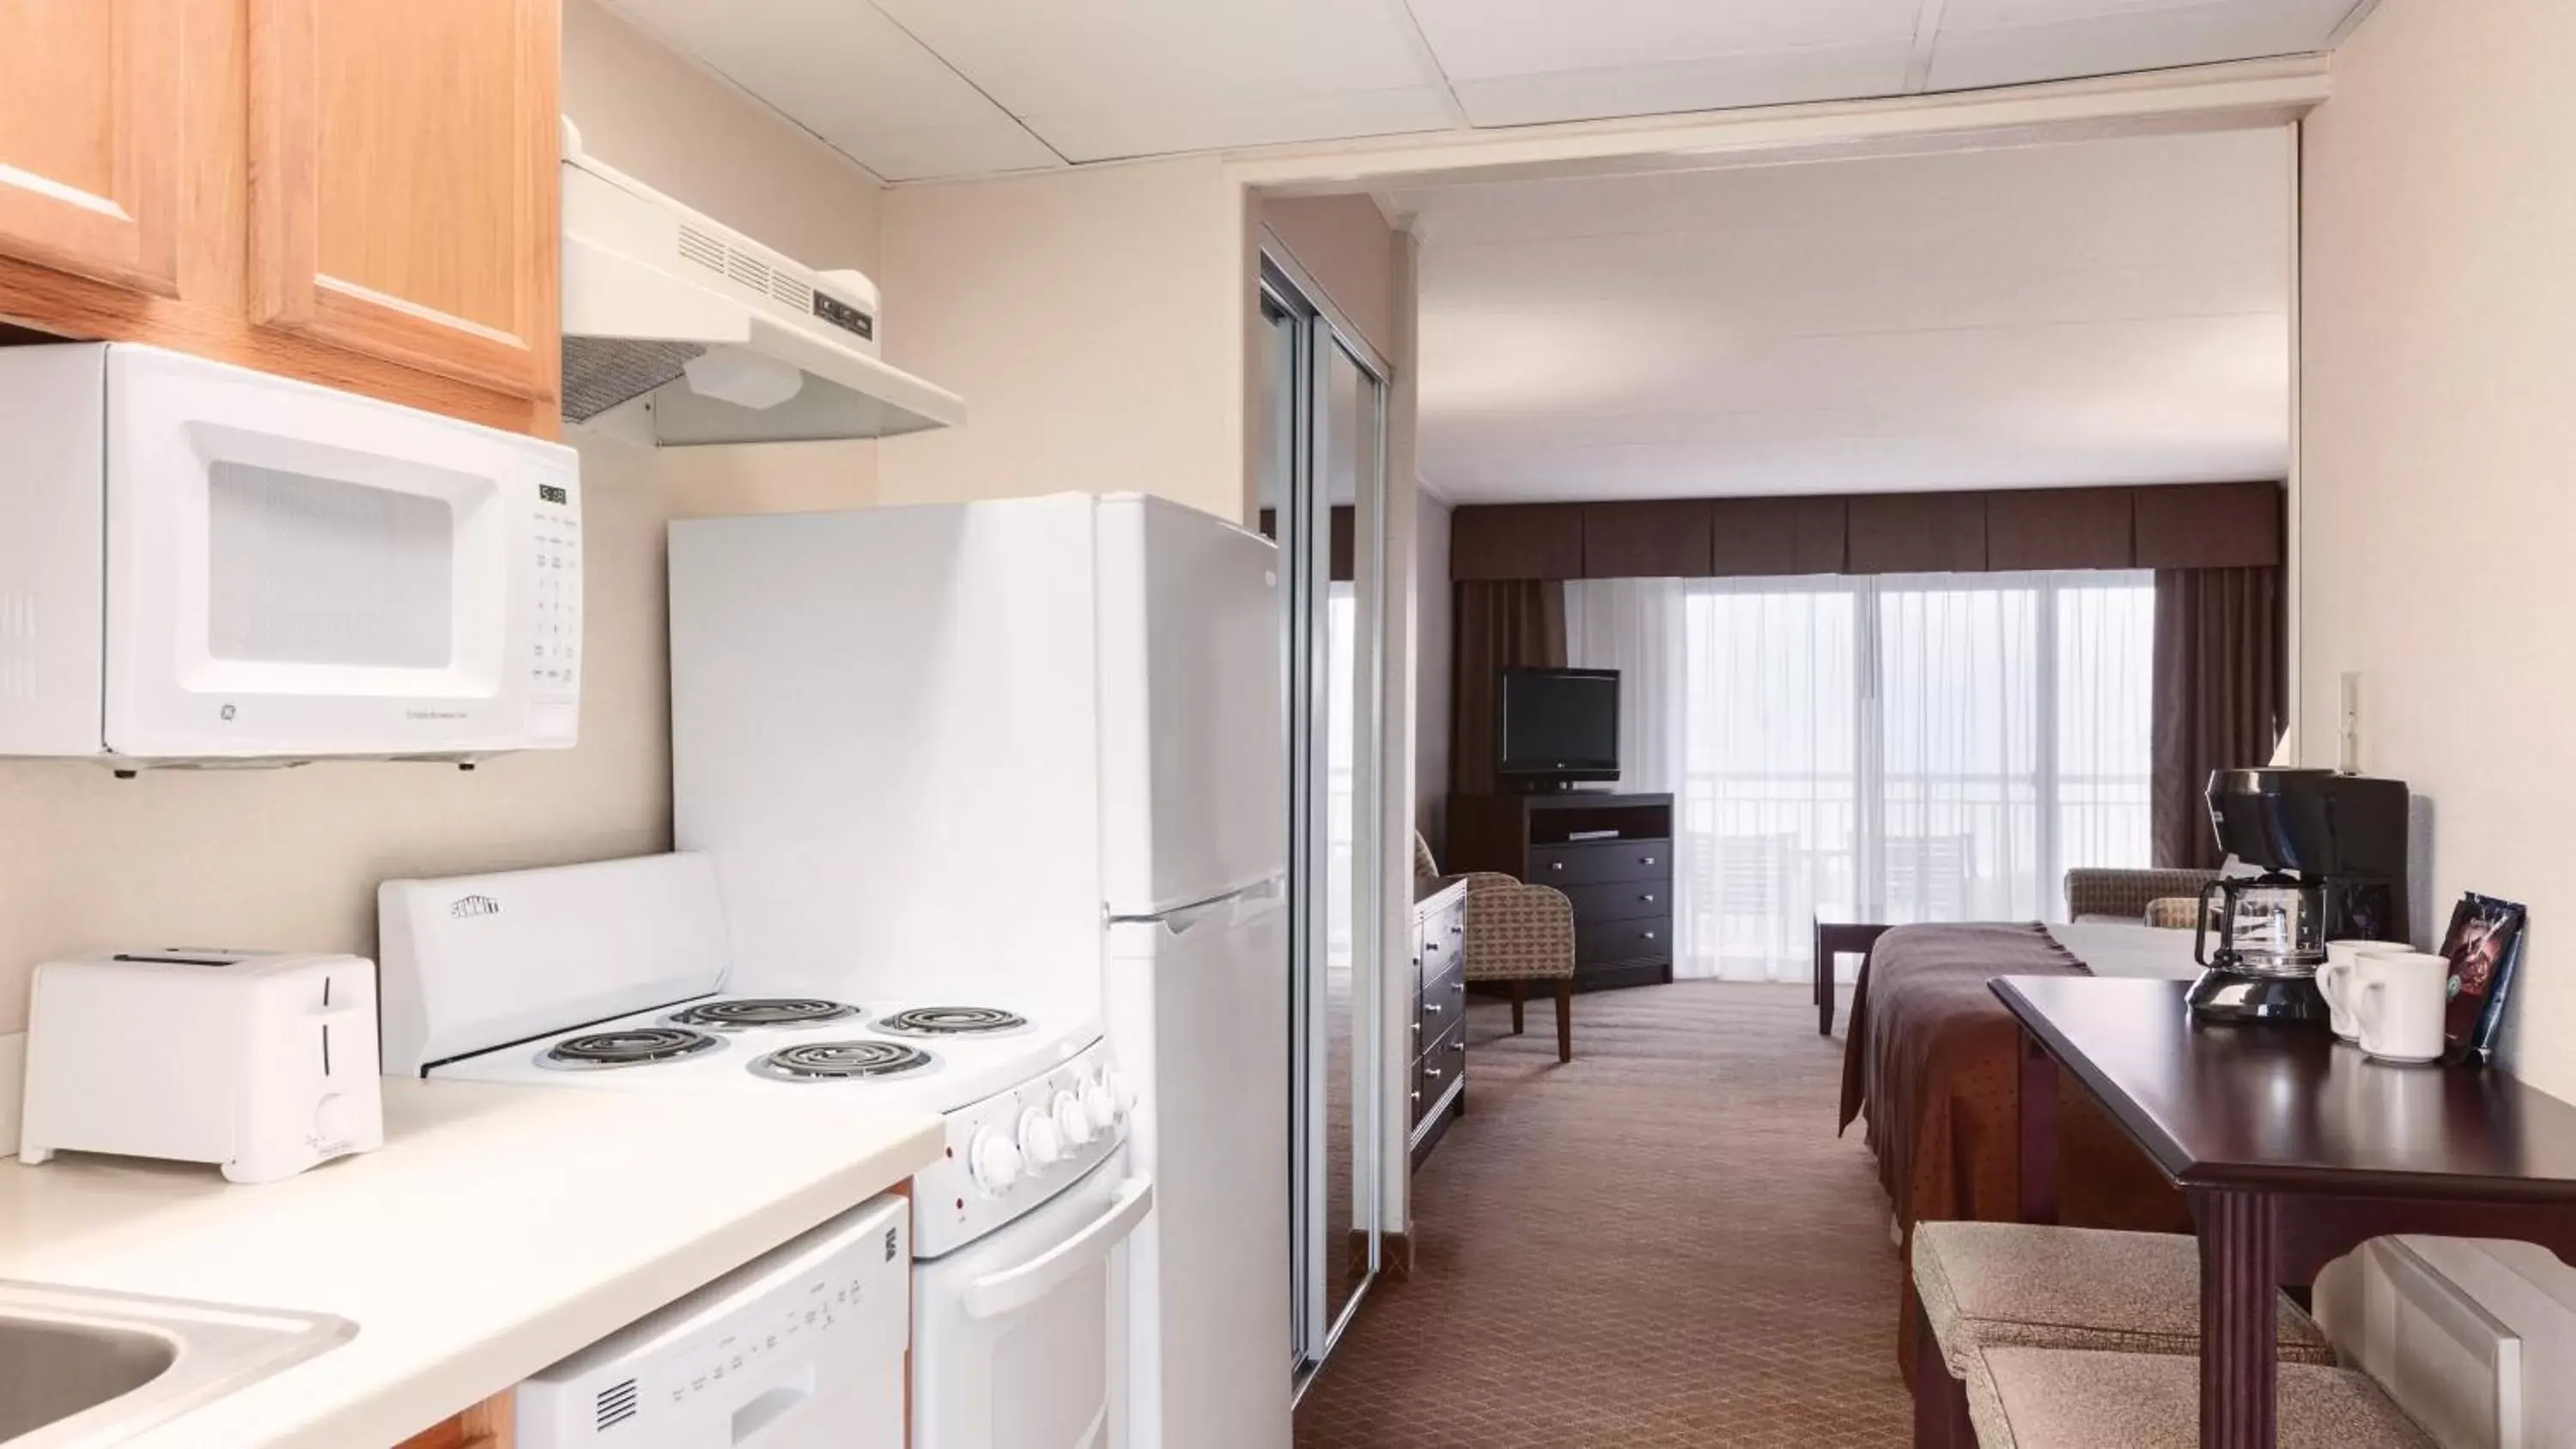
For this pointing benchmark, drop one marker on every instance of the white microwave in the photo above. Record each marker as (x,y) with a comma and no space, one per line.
(203,564)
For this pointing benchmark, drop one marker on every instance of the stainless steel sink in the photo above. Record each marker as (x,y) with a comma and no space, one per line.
(80,1367)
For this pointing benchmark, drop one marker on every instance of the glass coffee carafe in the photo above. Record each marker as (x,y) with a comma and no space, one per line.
(2268,925)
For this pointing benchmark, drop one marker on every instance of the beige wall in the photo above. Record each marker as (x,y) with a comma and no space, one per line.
(2438,367)
(1095,323)
(1345,247)
(290,858)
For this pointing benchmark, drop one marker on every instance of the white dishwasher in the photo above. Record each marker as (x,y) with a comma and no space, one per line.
(801,1348)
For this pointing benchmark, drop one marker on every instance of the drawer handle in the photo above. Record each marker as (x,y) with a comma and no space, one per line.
(1645,935)
(1560,865)
(1417,1095)
(1430,945)
(1459,1047)
(1648,898)
(1457,929)
(1417,1028)
(1431,1074)
(1645,860)
(1431,1006)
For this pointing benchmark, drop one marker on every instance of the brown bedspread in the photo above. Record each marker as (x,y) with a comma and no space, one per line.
(1932,1064)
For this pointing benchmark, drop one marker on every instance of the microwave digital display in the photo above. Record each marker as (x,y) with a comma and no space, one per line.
(554,493)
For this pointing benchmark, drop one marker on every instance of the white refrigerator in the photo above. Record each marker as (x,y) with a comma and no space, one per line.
(1032,750)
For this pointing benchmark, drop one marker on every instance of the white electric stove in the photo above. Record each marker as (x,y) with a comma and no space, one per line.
(616,976)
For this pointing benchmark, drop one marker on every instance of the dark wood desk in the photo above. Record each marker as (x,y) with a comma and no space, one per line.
(1837,938)
(2293,1150)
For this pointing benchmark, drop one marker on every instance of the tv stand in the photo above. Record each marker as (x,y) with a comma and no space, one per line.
(1612,855)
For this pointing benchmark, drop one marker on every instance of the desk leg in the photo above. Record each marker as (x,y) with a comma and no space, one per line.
(2239,1279)
(2036,1112)
(1824,983)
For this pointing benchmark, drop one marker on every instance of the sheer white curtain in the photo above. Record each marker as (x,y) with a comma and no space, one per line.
(1912,748)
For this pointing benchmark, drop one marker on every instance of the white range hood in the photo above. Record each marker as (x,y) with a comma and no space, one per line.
(679,330)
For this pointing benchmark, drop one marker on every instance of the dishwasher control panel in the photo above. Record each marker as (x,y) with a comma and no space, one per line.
(802,1346)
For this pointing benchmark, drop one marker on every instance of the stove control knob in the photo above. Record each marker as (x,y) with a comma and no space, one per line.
(993,1160)
(1100,1105)
(1072,1120)
(1039,1141)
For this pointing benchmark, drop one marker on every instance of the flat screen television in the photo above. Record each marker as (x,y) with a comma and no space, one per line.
(1556,727)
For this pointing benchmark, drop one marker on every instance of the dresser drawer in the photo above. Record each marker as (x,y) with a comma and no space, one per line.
(1439,943)
(1443,1003)
(1638,938)
(1592,862)
(1621,900)
(1437,1068)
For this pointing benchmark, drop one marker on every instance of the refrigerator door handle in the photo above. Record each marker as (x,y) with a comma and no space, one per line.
(1180,919)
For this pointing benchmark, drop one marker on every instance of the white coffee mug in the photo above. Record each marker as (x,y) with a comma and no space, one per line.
(2398,999)
(2334,979)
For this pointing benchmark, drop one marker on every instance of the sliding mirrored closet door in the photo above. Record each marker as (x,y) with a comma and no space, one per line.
(1323,498)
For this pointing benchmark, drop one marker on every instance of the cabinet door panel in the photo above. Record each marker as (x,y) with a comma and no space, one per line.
(89,138)
(403,185)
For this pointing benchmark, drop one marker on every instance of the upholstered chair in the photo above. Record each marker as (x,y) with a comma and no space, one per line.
(1516,934)
(2097,894)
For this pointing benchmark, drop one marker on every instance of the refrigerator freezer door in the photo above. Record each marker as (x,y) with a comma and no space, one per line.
(1192,713)
(1197,1010)
(884,729)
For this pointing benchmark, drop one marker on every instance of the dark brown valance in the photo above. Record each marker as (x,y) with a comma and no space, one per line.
(1918,533)
(2061,528)
(2196,526)
(1757,537)
(1661,539)
(1517,541)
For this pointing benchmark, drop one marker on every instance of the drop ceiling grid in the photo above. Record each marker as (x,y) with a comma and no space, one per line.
(928,89)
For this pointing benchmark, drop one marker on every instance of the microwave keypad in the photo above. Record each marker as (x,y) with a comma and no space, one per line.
(557,667)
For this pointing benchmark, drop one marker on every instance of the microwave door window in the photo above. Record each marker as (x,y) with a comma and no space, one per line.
(307,570)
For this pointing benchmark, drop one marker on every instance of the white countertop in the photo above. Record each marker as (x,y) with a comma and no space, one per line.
(499,1229)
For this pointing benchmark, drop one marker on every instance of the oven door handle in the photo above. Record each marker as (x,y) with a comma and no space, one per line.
(995,1294)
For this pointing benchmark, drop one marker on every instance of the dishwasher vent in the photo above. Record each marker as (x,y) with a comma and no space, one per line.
(616,1405)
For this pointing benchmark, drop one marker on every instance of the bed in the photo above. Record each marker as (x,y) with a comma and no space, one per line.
(1931,1070)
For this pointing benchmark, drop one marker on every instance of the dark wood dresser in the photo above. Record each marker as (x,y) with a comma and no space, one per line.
(1612,855)
(1439,1075)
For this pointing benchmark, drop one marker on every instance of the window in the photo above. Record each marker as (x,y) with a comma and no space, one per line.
(1905,748)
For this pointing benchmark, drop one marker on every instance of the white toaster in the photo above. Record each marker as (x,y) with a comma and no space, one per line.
(262,1062)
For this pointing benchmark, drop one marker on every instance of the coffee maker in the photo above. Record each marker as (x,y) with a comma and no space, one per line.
(2332,849)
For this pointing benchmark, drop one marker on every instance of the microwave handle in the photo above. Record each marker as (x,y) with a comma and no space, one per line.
(995,1294)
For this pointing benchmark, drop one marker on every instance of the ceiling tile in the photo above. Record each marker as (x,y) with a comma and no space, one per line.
(2108,312)
(2014,42)
(842,70)
(1756,78)
(1107,133)
(1479,39)
(1109,78)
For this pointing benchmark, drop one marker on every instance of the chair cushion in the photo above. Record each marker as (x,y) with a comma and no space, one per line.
(2046,1398)
(1996,1285)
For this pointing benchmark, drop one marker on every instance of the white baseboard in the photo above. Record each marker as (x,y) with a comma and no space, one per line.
(13,1080)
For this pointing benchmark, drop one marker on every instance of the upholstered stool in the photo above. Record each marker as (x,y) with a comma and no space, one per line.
(1985,1286)
(2050,1398)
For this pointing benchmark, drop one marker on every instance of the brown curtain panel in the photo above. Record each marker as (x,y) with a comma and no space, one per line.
(1501,624)
(2218,696)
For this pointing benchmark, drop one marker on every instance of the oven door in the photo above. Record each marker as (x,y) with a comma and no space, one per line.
(1017,1337)
(297,572)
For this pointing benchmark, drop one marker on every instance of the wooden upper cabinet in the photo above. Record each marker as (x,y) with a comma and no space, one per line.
(89,138)
(403,189)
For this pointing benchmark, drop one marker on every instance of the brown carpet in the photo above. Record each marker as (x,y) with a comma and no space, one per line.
(1661,1244)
